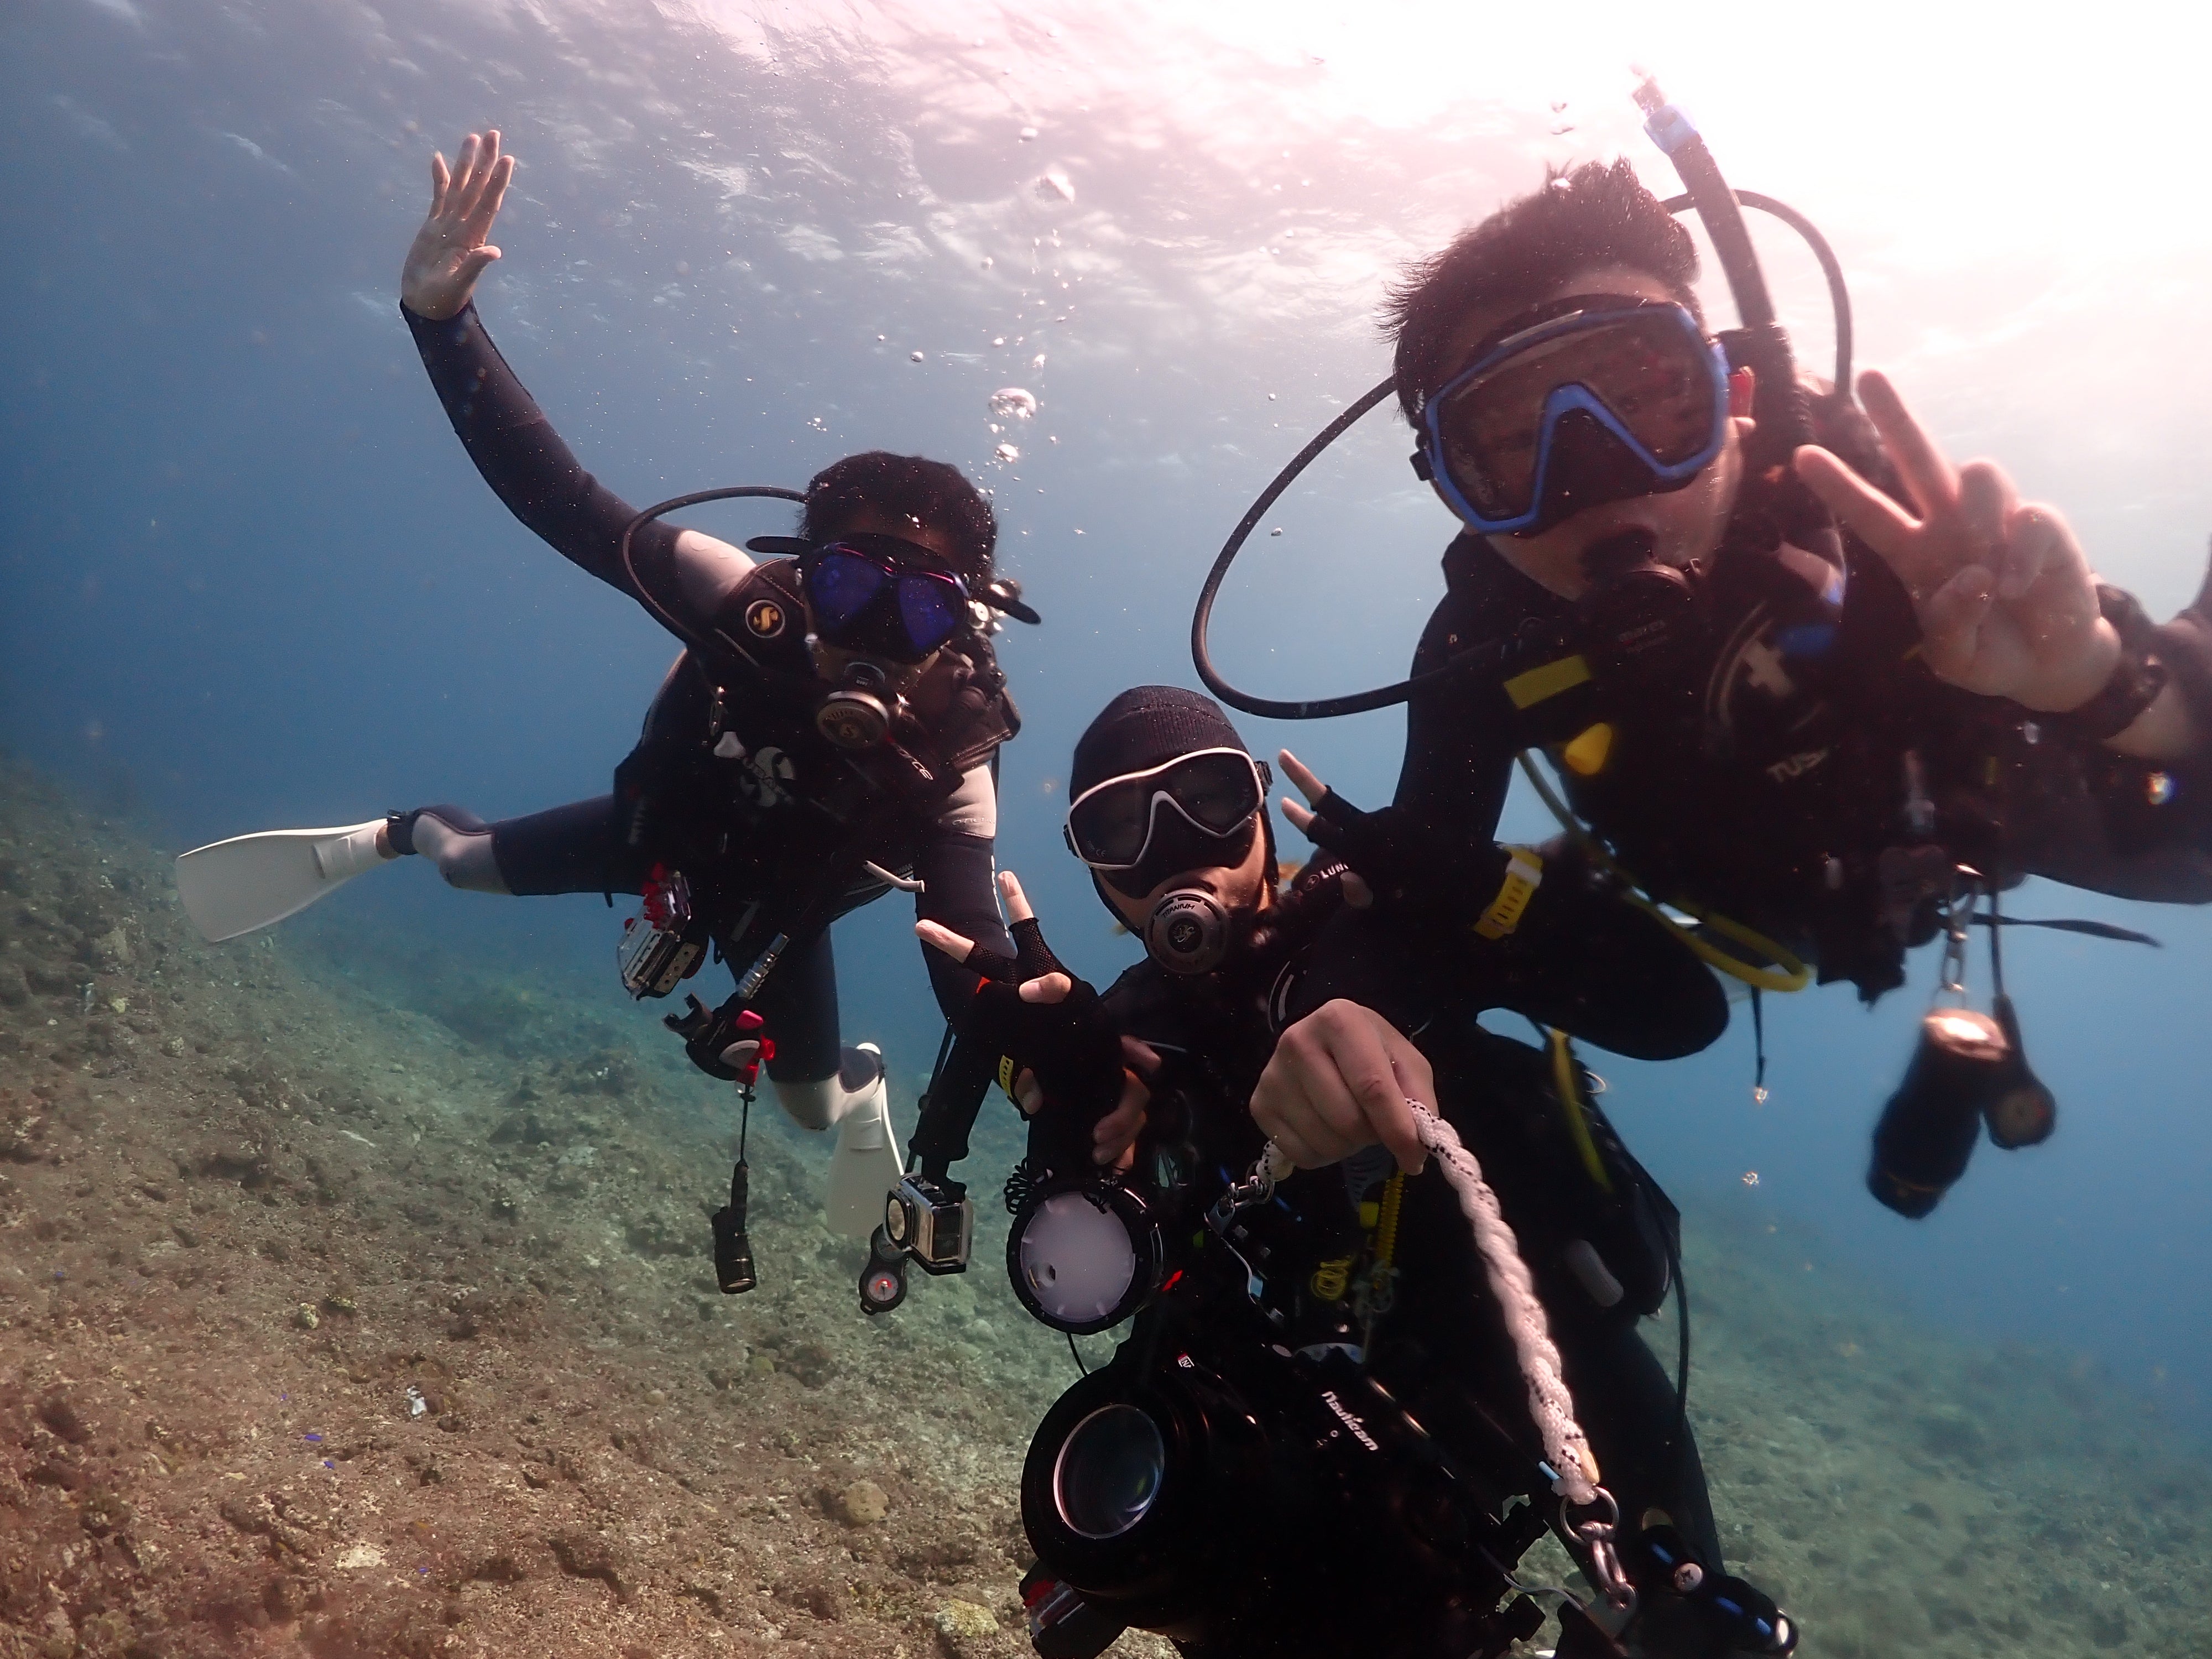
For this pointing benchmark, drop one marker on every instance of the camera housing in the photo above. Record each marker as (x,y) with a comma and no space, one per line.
(1229,1490)
(931,1224)
(653,961)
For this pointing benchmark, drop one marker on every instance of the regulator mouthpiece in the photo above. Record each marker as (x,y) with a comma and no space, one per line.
(858,715)
(1190,932)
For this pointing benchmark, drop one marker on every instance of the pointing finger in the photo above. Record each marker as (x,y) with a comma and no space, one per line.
(1927,475)
(1303,775)
(939,937)
(1017,902)
(1866,512)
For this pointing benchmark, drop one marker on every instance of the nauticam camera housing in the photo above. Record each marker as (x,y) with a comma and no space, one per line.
(934,1224)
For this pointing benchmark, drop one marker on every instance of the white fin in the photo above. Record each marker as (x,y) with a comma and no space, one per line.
(866,1165)
(232,887)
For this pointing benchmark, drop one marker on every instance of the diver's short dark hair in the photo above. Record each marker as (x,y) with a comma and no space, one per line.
(929,494)
(1597,214)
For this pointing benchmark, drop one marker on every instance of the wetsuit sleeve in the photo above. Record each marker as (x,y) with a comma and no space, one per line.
(543,483)
(955,867)
(1580,959)
(2081,812)
(1459,747)
(1584,960)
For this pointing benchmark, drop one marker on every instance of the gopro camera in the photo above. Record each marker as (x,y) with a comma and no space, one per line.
(932,1225)
(659,950)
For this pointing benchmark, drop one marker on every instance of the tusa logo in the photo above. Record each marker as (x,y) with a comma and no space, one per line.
(1359,1429)
(1796,766)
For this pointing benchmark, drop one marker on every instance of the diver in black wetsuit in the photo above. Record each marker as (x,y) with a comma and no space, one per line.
(1823,738)
(829,730)
(1168,810)
(1808,747)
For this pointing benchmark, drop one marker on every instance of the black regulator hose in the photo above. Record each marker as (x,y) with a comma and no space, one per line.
(1783,416)
(1839,296)
(1302,708)
(667,617)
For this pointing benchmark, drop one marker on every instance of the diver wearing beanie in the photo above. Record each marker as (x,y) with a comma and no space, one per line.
(1168,810)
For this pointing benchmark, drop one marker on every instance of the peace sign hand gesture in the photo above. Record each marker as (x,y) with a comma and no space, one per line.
(2006,601)
(1064,1056)
(449,252)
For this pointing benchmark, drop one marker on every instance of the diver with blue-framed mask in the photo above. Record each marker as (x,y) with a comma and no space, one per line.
(1802,684)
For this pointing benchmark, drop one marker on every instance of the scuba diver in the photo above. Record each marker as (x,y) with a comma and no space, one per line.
(1799,676)
(1298,1450)
(829,732)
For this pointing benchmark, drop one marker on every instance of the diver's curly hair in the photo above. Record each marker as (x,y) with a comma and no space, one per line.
(1597,214)
(926,493)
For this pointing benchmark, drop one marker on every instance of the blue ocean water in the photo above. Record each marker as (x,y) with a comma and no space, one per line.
(250,579)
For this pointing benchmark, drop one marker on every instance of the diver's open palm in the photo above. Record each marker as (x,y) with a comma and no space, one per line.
(450,252)
(2006,601)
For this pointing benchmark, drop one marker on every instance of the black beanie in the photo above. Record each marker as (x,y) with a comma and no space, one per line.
(1147,726)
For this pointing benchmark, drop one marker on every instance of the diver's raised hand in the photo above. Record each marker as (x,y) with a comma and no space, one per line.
(2006,601)
(450,252)
(1045,1035)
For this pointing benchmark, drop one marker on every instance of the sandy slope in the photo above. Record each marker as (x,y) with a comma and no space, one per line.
(371,1316)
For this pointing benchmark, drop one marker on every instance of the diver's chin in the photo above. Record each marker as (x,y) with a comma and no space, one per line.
(1578,552)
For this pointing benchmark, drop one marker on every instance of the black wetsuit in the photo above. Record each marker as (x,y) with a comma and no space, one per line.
(1442,1349)
(1809,838)
(731,783)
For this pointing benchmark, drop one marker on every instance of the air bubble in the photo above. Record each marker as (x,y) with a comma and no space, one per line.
(914,357)
(1013,403)
(1056,184)
(1028,133)
(1005,452)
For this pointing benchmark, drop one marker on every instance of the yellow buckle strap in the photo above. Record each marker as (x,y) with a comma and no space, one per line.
(1524,874)
(1529,688)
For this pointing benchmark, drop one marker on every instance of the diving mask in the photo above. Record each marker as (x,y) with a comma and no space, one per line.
(882,596)
(1115,825)
(1604,400)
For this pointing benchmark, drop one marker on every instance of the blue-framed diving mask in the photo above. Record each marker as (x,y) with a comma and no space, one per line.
(1607,399)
